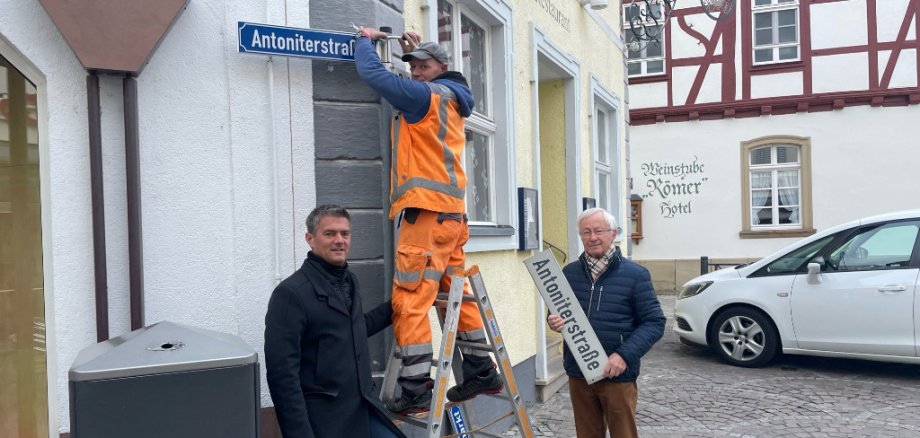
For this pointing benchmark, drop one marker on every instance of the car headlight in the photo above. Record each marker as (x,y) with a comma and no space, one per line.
(693,289)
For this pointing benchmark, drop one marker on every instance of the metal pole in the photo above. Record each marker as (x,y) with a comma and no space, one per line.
(135,237)
(98,206)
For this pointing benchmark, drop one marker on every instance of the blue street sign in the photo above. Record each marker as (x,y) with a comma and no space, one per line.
(291,41)
(456,416)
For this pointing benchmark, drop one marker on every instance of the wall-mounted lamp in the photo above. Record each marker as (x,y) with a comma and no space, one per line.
(635,217)
(595,4)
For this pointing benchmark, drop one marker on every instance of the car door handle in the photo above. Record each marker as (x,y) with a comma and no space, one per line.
(892,288)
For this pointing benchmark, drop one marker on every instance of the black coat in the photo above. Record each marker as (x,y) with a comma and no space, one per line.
(316,357)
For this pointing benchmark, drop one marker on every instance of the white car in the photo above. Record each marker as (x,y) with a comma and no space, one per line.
(849,291)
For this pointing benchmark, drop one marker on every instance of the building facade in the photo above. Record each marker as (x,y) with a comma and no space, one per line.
(757,125)
(175,188)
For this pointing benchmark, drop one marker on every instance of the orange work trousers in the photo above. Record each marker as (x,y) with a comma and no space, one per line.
(427,252)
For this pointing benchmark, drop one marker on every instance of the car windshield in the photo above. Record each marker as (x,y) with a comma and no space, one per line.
(791,262)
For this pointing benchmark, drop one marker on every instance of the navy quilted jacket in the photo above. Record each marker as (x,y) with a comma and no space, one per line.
(621,307)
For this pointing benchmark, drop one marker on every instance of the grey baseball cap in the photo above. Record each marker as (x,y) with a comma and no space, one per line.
(429,50)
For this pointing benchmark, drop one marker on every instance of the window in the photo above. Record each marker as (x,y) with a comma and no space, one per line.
(477,36)
(796,260)
(606,147)
(472,52)
(479,199)
(644,58)
(775,186)
(23,360)
(776,181)
(889,246)
(776,31)
(602,162)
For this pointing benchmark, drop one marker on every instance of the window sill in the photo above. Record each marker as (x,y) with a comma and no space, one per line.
(491,230)
(778,67)
(776,234)
(633,80)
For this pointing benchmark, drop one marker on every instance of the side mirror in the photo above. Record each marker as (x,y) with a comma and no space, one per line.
(816,265)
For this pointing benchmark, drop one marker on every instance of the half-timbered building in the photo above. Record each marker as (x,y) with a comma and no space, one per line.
(757,122)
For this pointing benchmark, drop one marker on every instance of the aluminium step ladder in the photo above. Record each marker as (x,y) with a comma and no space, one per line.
(448,358)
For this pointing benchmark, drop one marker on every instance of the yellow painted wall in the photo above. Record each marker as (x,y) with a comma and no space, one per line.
(508,282)
(552,163)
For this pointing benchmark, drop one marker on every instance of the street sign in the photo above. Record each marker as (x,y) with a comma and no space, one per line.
(291,41)
(583,343)
(456,416)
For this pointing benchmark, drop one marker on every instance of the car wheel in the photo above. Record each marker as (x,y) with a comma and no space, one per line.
(744,337)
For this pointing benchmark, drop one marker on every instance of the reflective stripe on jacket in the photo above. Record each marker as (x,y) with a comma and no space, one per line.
(426,160)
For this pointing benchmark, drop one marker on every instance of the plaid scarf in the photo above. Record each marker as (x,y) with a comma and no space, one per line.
(597,266)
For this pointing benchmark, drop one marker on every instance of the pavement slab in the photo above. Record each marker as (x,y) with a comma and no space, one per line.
(688,392)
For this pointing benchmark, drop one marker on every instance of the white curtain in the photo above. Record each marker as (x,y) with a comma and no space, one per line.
(788,181)
(759,198)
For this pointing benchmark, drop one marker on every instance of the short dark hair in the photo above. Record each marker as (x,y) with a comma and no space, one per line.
(322,211)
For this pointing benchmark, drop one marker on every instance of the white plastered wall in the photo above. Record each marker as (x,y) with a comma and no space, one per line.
(860,157)
(226,158)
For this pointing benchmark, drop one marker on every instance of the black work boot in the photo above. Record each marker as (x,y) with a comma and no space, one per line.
(407,403)
(491,383)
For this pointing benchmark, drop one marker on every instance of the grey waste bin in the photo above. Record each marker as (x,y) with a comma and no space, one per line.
(166,381)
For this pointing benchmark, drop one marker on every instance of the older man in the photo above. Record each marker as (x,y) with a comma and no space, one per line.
(619,300)
(316,353)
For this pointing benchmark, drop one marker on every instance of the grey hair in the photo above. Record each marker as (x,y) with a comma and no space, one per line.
(322,211)
(611,221)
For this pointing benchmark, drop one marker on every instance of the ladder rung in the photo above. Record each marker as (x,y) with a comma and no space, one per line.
(475,346)
(443,297)
(421,421)
(484,433)
(500,396)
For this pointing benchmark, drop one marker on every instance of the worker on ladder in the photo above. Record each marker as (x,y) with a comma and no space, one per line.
(427,192)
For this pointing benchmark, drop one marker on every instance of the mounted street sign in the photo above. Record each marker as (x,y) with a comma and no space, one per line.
(291,41)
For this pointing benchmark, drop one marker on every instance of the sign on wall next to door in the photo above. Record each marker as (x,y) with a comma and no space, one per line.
(674,185)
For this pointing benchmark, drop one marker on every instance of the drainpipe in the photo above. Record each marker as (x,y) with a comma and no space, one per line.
(133,177)
(98,206)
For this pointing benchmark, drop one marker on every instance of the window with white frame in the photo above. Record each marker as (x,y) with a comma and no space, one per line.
(606,149)
(478,34)
(603,170)
(776,31)
(776,187)
(644,58)
(456,23)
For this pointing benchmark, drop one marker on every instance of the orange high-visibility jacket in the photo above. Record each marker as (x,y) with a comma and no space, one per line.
(427,156)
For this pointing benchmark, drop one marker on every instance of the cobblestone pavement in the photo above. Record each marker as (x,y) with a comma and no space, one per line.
(688,392)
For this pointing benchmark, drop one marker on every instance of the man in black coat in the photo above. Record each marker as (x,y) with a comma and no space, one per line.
(622,308)
(316,353)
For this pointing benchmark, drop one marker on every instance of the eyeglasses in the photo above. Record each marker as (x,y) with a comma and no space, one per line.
(588,233)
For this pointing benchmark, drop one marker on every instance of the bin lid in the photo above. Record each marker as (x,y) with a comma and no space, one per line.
(164,347)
